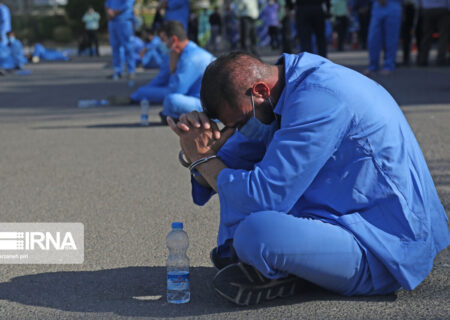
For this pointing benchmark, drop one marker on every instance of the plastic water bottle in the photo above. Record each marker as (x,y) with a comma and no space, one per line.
(177,265)
(144,112)
(92,103)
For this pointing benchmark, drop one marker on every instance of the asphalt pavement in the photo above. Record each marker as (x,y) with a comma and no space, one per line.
(98,166)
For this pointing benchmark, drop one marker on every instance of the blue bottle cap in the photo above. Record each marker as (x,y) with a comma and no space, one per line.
(177,225)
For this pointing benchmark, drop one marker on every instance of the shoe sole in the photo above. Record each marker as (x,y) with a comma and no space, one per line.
(258,288)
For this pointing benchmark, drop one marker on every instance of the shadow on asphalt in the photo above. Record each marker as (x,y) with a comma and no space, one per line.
(117,291)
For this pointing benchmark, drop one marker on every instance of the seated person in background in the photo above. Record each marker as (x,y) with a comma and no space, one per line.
(6,61)
(17,52)
(317,181)
(138,45)
(11,54)
(41,53)
(177,86)
(154,51)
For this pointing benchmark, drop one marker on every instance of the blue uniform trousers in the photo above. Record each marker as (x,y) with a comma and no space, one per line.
(384,32)
(175,104)
(322,253)
(120,35)
(154,94)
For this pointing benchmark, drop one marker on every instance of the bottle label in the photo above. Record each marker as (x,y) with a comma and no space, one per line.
(178,281)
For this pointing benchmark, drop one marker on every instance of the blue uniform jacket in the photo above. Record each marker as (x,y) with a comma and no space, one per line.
(125,7)
(192,63)
(5,23)
(344,154)
(5,19)
(178,10)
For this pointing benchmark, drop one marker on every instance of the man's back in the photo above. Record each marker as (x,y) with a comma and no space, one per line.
(370,170)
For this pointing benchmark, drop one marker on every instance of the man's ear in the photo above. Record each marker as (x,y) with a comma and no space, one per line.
(261,89)
(174,40)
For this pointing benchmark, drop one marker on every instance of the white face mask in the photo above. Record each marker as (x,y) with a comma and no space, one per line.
(255,130)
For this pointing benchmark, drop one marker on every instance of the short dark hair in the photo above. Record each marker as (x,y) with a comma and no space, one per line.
(224,77)
(174,28)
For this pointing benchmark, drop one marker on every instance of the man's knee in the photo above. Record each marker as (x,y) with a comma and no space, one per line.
(176,104)
(171,100)
(252,232)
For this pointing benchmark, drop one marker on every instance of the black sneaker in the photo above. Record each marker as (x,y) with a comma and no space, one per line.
(220,262)
(243,285)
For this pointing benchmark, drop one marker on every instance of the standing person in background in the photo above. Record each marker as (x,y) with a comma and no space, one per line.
(5,23)
(193,27)
(176,10)
(231,28)
(286,28)
(248,13)
(409,11)
(339,13)
(158,20)
(363,9)
(435,15)
(215,20)
(310,18)
(204,29)
(91,20)
(270,16)
(384,32)
(120,27)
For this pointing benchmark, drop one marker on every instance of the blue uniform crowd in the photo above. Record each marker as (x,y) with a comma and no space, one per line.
(12,54)
(379,23)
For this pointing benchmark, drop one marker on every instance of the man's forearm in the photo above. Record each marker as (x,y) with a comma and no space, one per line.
(210,171)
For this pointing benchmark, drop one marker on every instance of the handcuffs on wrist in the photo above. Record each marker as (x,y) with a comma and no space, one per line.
(192,166)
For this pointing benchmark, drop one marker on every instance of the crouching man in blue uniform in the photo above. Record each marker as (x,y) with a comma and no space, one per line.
(316,180)
(177,86)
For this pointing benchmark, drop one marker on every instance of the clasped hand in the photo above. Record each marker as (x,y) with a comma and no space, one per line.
(199,136)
